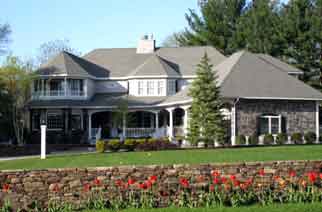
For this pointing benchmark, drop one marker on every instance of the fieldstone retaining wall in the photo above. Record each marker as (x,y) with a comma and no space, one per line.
(26,187)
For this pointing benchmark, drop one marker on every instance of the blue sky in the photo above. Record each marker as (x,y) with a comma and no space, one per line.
(90,24)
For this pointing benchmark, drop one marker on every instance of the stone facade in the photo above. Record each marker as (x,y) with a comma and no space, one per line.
(298,116)
(67,185)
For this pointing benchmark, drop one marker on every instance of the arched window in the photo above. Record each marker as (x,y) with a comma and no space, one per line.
(270,124)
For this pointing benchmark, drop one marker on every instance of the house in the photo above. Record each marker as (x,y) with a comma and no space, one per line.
(84,94)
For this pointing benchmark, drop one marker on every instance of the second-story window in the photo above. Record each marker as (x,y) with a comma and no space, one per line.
(140,88)
(76,87)
(150,87)
(160,87)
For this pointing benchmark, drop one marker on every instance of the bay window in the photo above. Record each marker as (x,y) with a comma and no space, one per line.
(160,88)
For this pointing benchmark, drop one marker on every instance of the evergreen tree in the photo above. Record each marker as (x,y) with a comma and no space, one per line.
(302,31)
(206,121)
(259,29)
(216,26)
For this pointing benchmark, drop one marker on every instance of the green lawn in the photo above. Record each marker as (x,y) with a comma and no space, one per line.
(274,208)
(309,152)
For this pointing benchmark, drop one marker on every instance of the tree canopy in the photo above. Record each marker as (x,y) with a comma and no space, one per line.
(291,31)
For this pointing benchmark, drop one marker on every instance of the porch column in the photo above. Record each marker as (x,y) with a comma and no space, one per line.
(89,125)
(43,90)
(124,126)
(185,120)
(170,110)
(233,125)
(317,121)
(156,120)
(65,86)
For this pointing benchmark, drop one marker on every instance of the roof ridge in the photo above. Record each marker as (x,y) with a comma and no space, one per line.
(242,52)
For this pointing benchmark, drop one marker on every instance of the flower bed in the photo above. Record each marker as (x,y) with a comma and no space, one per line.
(181,186)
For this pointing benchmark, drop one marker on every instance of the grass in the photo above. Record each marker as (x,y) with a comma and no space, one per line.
(274,208)
(305,152)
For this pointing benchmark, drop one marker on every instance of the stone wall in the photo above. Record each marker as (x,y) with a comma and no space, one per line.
(67,185)
(299,116)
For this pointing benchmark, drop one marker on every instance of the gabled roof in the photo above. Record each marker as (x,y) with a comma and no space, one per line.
(155,66)
(247,75)
(70,65)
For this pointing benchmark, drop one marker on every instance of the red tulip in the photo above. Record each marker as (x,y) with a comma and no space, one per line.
(148,183)
(276,178)
(131,181)
(312,176)
(249,181)
(87,187)
(261,172)
(320,176)
(153,179)
(236,183)
(97,182)
(232,177)
(184,182)
(292,173)
(212,188)
(164,194)
(215,173)
(56,188)
(223,179)
(119,183)
(5,187)
(216,181)
(143,186)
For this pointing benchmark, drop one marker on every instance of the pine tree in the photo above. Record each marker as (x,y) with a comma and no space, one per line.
(206,121)
(216,26)
(259,30)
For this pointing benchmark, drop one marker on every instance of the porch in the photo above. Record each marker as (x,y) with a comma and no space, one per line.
(168,122)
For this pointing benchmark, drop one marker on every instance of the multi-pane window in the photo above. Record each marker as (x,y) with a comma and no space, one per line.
(270,124)
(56,87)
(140,88)
(75,87)
(160,87)
(55,120)
(171,87)
(150,86)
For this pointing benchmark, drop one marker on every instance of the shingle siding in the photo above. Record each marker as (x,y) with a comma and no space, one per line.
(298,115)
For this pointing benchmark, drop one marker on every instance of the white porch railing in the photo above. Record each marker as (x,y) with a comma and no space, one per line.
(57,93)
(140,132)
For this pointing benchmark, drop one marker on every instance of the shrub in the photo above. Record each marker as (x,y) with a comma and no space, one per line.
(297,138)
(159,144)
(310,137)
(152,140)
(130,144)
(100,146)
(240,140)
(253,140)
(141,140)
(114,145)
(281,138)
(268,139)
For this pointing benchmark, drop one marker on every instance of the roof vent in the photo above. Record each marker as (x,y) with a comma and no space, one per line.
(146,45)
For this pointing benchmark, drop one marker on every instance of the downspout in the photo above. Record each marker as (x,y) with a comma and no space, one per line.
(233,122)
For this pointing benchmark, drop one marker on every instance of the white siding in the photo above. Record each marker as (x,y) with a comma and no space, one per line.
(89,88)
(111,86)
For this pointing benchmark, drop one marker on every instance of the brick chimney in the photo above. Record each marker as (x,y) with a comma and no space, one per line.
(146,45)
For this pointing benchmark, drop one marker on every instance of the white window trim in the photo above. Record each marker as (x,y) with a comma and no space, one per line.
(150,88)
(160,88)
(140,88)
(270,117)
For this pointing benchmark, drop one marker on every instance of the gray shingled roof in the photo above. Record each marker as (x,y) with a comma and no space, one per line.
(155,66)
(247,75)
(279,64)
(68,64)
(123,62)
